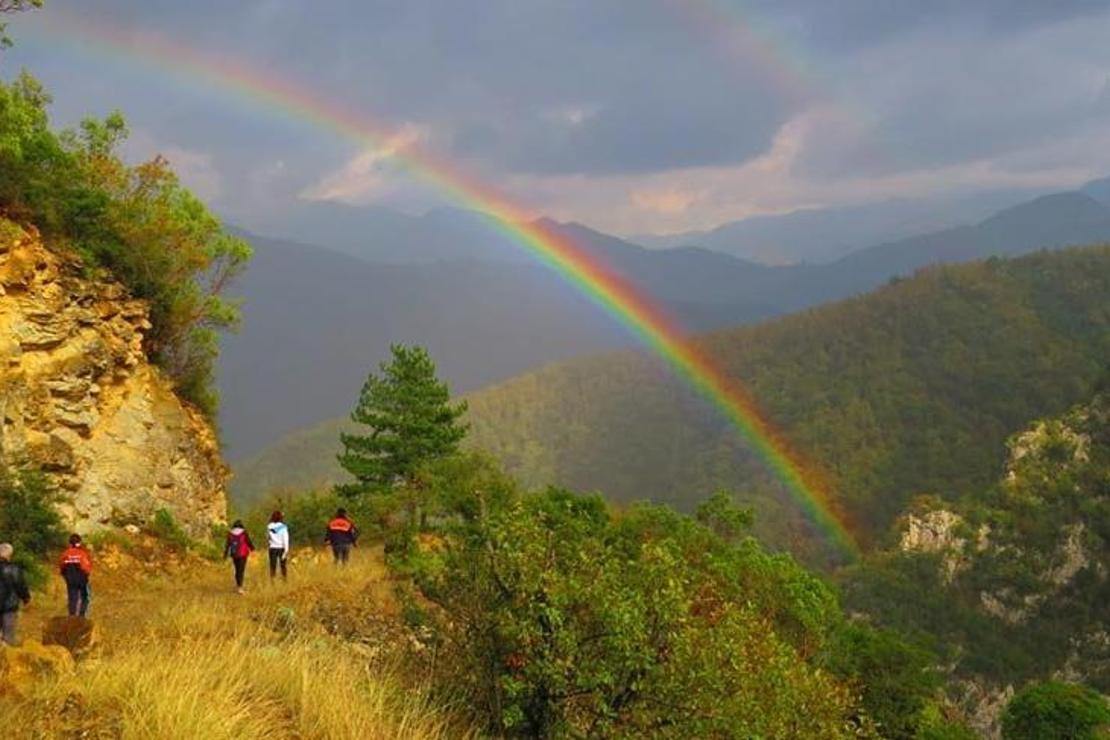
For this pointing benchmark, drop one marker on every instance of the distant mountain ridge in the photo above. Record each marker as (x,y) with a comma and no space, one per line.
(316,321)
(822,235)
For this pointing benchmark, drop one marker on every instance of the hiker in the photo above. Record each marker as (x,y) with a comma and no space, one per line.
(278,533)
(13,593)
(75,567)
(238,548)
(342,535)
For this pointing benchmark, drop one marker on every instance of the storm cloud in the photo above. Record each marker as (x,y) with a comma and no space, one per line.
(650,115)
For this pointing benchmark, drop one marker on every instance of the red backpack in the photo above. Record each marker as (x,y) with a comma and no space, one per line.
(237,544)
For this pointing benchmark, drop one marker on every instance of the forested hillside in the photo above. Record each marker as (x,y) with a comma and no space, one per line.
(911,389)
(1010,584)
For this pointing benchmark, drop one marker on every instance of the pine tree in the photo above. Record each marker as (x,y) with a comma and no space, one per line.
(410,420)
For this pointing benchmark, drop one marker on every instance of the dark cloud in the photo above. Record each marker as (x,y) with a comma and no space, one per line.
(601,87)
(849,24)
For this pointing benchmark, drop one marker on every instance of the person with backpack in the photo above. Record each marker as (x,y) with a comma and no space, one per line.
(238,547)
(76,566)
(342,535)
(13,593)
(278,533)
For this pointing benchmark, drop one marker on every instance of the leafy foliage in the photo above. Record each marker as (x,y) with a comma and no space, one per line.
(28,517)
(137,223)
(897,679)
(410,423)
(14,6)
(561,618)
(1054,709)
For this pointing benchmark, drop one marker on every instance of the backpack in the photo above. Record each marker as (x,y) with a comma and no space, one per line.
(237,545)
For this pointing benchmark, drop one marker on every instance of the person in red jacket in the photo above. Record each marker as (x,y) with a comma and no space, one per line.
(342,535)
(75,567)
(239,547)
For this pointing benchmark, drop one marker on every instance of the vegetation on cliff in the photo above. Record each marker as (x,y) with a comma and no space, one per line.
(1011,584)
(136,223)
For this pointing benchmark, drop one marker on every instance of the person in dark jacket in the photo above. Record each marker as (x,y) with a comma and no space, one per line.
(13,593)
(75,566)
(342,535)
(238,547)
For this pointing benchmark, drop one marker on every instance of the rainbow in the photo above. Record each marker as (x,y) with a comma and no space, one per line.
(739,35)
(630,306)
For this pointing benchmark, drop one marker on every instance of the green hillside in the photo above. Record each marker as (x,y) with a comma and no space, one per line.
(1011,584)
(911,389)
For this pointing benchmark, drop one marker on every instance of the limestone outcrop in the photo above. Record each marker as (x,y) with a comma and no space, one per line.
(79,398)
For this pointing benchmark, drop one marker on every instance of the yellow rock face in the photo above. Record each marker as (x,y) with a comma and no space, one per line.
(79,398)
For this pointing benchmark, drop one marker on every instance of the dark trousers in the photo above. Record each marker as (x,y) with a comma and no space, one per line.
(276,558)
(240,570)
(342,553)
(8,621)
(78,596)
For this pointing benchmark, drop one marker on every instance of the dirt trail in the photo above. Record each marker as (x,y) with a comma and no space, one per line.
(130,595)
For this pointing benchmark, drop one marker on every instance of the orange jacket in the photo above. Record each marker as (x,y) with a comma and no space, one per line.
(341,531)
(75,555)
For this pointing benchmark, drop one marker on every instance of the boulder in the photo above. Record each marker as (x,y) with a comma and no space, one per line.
(77,635)
(21,666)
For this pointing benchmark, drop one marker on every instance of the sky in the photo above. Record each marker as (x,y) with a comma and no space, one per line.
(632,116)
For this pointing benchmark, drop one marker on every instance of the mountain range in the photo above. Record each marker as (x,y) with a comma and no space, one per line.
(317,320)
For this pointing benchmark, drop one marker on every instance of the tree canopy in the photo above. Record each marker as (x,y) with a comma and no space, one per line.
(410,422)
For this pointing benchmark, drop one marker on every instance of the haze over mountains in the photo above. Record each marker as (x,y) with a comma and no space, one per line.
(316,320)
(825,234)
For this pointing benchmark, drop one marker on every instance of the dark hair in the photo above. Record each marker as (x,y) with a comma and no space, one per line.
(237,523)
(341,512)
(75,539)
(276,516)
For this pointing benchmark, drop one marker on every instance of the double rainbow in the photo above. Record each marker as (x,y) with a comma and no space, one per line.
(629,305)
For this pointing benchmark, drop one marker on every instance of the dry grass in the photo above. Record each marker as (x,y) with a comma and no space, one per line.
(190,659)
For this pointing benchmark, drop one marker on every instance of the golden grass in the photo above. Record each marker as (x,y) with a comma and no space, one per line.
(192,660)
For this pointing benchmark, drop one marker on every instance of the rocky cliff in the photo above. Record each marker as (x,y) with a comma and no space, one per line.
(1014,581)
(79,398)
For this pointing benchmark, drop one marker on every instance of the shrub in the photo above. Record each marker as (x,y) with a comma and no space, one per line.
(897,678)
(1056,710)
(28,517)
(560,618)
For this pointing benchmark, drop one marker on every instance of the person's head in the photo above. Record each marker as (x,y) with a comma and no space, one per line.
(6,550)
(237,524)
(74,539)
(276,517)
(341,513)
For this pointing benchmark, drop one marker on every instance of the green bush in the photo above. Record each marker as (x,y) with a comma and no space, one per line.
(166,528)
(896,677)
(29,519)
(560,618)
(933,725)
(1054,710)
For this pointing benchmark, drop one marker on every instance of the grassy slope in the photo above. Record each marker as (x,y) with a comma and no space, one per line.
(184,657)
(906,390)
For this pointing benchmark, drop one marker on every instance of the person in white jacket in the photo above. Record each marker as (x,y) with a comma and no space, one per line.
(278,534)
